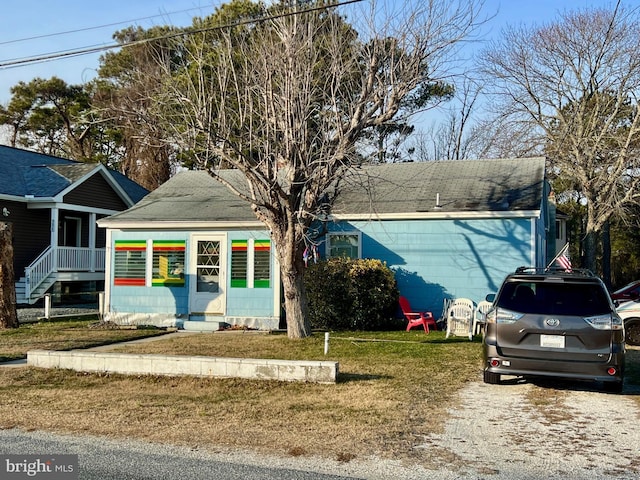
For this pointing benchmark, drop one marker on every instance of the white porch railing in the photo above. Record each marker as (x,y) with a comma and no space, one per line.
(38,271)
(58,259)
(78,259)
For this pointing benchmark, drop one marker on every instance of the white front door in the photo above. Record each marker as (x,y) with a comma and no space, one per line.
(208,267)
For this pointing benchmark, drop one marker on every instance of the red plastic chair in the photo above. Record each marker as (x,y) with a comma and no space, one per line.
(416,319)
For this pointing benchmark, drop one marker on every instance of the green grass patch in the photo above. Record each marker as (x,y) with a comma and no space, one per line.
(65,334)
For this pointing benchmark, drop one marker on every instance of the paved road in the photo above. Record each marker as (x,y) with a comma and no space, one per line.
(101,459)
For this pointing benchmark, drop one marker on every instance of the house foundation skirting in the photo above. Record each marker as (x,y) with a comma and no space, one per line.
(171,365)
(164,320)
(144,319)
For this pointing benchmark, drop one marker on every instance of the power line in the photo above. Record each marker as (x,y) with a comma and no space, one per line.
(15,63)
(97,27)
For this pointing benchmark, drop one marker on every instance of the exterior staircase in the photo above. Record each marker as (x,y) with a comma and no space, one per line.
(46,270)
(34,295)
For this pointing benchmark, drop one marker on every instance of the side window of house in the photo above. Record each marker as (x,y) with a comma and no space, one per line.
(343,244)
(130,261)
(168,263)
(250,263)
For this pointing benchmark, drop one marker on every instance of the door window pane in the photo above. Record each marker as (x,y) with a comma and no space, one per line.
(208,267)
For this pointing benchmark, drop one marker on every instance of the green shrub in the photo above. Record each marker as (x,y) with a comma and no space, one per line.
(348,294)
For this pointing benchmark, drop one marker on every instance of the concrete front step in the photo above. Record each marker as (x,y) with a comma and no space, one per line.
(173,365)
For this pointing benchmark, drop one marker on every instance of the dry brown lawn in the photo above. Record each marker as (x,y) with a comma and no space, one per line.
(390,394)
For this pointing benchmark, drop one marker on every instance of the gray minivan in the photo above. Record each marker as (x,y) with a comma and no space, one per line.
(554,323)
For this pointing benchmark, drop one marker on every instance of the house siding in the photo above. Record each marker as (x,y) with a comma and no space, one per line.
(31,233)
(95,192)
(438,259)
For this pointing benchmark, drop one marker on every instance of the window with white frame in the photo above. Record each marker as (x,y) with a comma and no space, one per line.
(344,244)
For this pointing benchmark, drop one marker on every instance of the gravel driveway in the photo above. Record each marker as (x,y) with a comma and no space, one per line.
(522,430)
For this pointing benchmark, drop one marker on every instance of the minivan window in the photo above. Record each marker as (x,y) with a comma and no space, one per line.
(554,298)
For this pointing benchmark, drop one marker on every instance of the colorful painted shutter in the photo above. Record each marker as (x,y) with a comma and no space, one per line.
(239,263)
(130,261)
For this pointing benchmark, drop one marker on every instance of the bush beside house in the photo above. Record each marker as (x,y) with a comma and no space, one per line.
(352,294)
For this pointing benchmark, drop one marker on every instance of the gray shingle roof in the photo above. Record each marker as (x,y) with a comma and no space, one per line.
(25,173)
(461,185)
(190,196)
(406,188)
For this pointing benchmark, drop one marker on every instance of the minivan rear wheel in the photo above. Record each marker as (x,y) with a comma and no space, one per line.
(492,378)
(632,331)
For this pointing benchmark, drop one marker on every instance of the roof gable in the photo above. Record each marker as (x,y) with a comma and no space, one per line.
(503,185)
(95,192)
(30,174)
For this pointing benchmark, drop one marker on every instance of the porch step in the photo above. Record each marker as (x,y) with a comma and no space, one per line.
(202,325)
(36,294)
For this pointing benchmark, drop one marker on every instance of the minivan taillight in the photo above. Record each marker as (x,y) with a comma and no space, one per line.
(501,315)
(605,322)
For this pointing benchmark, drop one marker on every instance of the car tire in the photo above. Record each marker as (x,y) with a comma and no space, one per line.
(613,387)
(492,378)
(632,331)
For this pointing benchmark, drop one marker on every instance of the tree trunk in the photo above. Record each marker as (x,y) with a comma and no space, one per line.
(606,254)
(8,313)
(590,250)
(295,302)
(292,276)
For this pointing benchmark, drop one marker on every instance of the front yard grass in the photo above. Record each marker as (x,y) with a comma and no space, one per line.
(394,389)
(65,334)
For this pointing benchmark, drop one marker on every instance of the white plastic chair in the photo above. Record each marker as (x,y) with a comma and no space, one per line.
(460,318)
(480,316)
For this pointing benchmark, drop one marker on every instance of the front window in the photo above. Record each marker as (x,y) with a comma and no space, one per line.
(250,263)
(168,262)
(343,244)
(130,262)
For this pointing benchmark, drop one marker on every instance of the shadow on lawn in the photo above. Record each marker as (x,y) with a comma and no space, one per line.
(358,377)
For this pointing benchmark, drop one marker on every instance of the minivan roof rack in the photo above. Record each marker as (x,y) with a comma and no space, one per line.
(557,270)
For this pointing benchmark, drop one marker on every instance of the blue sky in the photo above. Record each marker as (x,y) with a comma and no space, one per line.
(37,18)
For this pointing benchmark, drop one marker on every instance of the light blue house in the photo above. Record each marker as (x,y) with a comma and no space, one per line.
(192,254)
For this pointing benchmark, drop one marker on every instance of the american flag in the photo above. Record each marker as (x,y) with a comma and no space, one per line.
(563,258)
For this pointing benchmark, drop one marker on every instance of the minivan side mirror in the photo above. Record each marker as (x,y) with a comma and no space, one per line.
(490,297)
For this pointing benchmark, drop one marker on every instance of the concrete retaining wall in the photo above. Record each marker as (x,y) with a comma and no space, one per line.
(137,364)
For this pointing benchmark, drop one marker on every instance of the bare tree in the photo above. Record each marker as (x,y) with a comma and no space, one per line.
(455,137)
(571,87)
(285,101)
